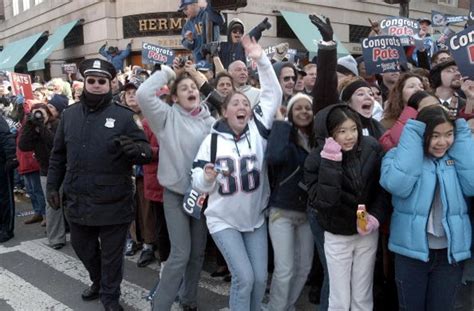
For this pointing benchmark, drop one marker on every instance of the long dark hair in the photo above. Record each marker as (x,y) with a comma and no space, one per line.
(308,130)
(433,116)
(339,115)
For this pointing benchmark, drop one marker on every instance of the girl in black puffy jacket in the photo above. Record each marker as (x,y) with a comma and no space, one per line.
(341,175)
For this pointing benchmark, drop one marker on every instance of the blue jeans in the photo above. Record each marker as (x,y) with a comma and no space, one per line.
(318,235)
(428,285)
(33,187)
(246,256)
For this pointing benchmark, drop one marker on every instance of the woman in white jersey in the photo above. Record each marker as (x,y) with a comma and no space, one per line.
(239,195)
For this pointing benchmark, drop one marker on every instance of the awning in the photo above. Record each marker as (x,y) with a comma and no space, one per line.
(308,34)
(37,62)
(14,51)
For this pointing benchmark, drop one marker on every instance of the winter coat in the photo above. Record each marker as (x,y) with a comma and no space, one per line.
(286,161)
(411,177)
(153,189)
(335,189)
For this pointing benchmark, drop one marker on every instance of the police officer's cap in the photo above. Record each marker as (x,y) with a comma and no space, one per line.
(184,3)
(97,67)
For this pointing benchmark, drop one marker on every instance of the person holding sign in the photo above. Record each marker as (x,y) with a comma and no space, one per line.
(430,174)
(238,184)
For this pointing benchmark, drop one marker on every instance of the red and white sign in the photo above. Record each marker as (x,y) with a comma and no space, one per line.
(21,85)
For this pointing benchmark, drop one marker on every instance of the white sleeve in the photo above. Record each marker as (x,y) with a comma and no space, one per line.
(271,92)
(202,158)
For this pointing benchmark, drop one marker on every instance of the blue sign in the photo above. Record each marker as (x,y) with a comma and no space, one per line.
(402,27)
(155,54)
(193,203)
(383,54)
(461,46)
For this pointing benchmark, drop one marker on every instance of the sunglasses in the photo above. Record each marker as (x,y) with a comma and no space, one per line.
(288,78)
(100,81)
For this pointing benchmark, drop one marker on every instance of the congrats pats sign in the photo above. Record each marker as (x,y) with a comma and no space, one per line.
(402,27)
(155,54)
(461,46)
(382,54)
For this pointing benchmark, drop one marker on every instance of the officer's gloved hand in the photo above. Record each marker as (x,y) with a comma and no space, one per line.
(11,164)
(131,150)
(53,198)
(324,27)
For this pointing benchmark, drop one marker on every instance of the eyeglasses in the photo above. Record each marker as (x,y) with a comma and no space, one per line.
(288,78)
(100,81)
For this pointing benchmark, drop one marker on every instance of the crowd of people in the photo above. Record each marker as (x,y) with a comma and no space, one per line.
(357,184)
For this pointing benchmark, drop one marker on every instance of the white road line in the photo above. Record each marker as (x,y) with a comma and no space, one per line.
(132,294)
(21,295)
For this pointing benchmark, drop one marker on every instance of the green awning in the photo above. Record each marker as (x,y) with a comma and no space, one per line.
(14,51)
(308,34)
(37,62)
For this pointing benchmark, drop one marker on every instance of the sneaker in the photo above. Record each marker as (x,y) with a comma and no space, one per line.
(131,248)
(34,219)
(147,256)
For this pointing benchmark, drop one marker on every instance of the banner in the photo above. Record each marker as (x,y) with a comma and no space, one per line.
(155,54)
(69,68)
(470,16)
(439,19)
(21,85)
(401,27)
(461,46)
(383,54)
(290,54)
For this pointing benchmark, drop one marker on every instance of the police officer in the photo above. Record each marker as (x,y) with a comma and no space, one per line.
(8,162)
(96,145)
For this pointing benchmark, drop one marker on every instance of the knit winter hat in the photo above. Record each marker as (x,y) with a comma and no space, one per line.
(297,97)
(59,102)
(347,65)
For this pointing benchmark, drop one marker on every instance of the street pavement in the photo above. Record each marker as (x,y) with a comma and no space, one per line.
(33,276)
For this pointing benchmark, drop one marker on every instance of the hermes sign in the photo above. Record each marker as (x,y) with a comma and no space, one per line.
(153,24)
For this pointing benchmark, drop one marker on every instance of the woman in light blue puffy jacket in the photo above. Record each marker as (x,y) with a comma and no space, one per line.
(430,175)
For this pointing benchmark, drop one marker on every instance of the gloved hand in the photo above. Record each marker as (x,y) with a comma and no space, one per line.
(331,150)
(129,147)
(324,27)
(53,198)
(256,32)
(11,164)
(372,225)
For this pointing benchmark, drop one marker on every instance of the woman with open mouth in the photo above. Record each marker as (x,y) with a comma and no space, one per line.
(180,129)
(238,185)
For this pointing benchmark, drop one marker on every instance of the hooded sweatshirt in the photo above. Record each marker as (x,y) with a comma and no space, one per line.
(230,52)
(237,199)
(179,132)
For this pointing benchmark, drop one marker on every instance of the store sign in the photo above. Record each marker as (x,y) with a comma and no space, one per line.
(153,24)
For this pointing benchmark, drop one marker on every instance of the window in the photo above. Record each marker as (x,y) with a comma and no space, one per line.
(16,7)
(449,2)
(75,37)
(38,2)
(357,32)
(26,5)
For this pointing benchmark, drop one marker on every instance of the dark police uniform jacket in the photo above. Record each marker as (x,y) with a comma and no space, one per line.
(96,174)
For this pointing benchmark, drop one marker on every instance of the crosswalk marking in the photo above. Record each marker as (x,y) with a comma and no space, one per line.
(131,294)
(14,290)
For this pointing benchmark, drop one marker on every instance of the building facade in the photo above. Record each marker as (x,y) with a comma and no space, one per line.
(158,22)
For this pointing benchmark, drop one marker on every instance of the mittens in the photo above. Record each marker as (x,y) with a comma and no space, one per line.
(331,150)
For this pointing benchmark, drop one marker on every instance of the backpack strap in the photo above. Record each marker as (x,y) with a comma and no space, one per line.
(213,147)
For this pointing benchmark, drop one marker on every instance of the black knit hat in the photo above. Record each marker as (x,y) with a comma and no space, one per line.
(435,73)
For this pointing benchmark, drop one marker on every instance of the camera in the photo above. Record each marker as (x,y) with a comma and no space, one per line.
(37,116)
(182,60)
(221,170)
